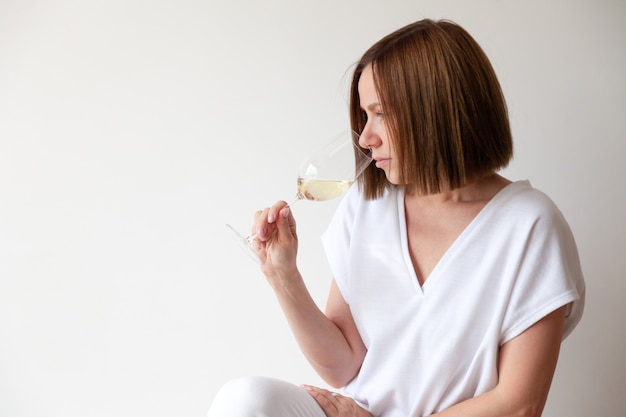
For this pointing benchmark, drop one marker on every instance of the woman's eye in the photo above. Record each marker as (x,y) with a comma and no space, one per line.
(379,115)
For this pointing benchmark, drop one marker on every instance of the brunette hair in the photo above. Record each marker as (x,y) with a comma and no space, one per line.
(444,108)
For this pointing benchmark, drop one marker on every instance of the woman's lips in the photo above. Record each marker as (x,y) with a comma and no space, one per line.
(380,162)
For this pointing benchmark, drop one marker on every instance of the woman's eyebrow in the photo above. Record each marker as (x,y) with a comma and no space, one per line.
(371,106)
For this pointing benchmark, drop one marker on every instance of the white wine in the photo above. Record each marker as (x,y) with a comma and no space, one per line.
(320,190)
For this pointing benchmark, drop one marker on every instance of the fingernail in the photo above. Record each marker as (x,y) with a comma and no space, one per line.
(285,212)
(270,218)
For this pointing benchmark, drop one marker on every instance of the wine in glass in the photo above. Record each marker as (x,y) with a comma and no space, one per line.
(323,175)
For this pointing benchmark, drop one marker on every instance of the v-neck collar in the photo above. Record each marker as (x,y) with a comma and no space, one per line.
(450,252)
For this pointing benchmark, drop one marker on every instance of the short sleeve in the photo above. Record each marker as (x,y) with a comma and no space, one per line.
(337,238)
(549,273)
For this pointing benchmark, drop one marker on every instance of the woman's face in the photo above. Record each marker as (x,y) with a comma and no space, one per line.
(374,135)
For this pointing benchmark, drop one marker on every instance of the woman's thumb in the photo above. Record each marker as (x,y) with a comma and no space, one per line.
(286,224)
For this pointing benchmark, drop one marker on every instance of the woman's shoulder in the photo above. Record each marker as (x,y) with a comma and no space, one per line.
(522,194)
(523,201)
(354,208)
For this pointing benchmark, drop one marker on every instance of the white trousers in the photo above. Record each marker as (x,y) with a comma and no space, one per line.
(263,397)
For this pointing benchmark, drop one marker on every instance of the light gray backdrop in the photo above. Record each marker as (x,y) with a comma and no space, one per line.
(131,131)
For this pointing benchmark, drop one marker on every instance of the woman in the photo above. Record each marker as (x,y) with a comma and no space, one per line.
(453,286)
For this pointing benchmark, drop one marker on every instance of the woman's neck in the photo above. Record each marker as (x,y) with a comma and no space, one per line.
(480,189)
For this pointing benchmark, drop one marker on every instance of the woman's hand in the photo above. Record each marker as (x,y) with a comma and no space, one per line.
(276,241)
(335,405)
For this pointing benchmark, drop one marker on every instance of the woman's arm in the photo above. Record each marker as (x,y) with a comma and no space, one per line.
(526,367)
(330,341)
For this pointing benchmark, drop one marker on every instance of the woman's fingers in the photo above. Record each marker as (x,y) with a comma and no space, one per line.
(275,241)
(335,405)
(265,221)
(326,399)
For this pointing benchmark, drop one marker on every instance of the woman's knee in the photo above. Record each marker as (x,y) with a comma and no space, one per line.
(261,397)
(244,394)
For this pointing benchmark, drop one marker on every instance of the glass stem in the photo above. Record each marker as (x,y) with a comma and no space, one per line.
(297,198)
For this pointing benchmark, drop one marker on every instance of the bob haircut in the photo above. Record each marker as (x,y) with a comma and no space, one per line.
(445,113)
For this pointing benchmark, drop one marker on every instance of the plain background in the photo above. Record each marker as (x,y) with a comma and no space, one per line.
(131,131)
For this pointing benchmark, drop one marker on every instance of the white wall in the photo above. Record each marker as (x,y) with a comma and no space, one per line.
(131,131)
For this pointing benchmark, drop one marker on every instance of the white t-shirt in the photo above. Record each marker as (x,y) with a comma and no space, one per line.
(432,346)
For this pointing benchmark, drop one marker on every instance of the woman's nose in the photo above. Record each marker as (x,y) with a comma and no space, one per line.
(368,138)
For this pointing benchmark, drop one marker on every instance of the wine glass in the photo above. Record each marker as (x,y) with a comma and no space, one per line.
(323,175)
